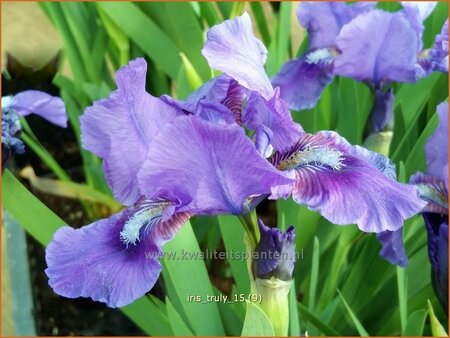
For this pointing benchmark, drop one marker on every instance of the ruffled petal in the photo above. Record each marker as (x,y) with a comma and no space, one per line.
(119,129)
(49,107)
(274,115)
(416,12)
(324,20)
(439,53)
(94,261)
(392,248)
(219,100)
(433,190)
(436,148)
(232,48)
(216,166)
(341,183)
(302,81)
(389,55)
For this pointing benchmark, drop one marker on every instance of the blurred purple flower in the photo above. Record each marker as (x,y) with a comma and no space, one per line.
(166,166)
(25,103)
(274,253)
(341,42)
(302,80)
(347,184)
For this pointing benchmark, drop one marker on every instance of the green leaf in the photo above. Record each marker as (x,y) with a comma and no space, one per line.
(146,314)
(184,266)
(179,327)
(294,322)
(316,321)
(261,21)
(36,219)
(361,330)
(314,275)
(256,323)
(146,34)
(402,295)
(233,238)
(193,78)
(415,324)
(436,327)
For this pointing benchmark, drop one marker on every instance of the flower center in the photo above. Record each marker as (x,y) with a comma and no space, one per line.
(315,156)
(150,213)
(318,55)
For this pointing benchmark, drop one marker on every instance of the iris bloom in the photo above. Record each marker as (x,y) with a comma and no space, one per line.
(165,166)
(342,43)
(167,160)
(243,95)
(25,103)
(433,188)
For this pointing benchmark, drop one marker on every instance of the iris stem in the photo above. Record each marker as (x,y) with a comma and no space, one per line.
(249,221)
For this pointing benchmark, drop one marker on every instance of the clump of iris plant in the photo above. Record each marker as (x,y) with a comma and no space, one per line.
(25,103)
(228,146)
(342,43)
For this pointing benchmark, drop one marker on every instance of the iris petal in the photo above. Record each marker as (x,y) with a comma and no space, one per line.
(345,186)
(232,48)
(389,55)
(120,128)
(217,166)
(95,262)
(49,107)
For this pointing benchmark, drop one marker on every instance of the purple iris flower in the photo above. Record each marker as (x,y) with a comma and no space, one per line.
(243,95)
(347,184)
(165,166)
(274,253)
(25,103)
(342,43)
(302,80)
(432,188)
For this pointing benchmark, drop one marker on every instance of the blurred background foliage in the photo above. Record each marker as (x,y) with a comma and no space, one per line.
(342,286)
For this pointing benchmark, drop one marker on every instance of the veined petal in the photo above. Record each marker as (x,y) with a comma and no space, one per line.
(216,166)
(389,55)
(439,52)
(274,115)
(433,190)
(324,20)
(49,107)
(436,148)
(343,185)
(96,261)
(392,248)
(232,48)
(302,81)
(219,100)
(119,129)
(416,12)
